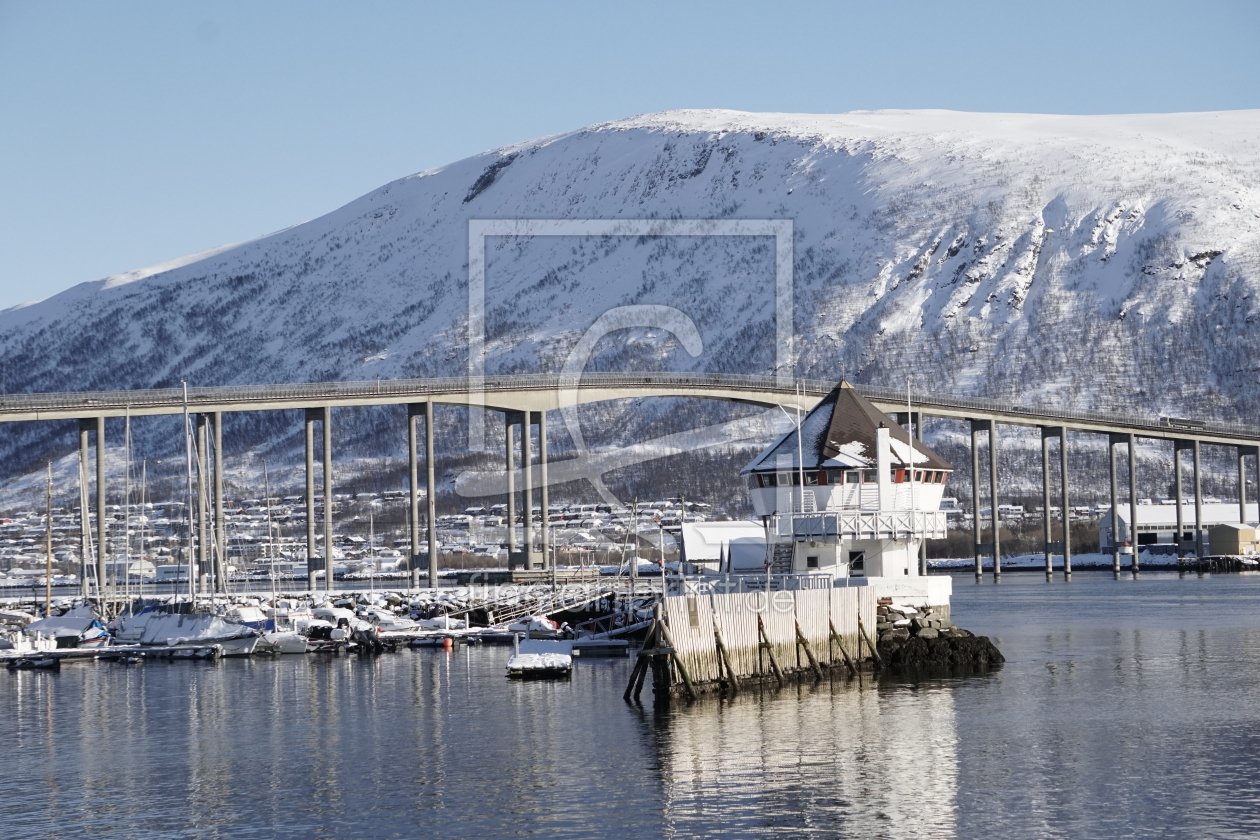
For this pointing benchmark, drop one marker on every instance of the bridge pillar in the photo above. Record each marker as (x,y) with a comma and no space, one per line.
(1112,441)
(1066,503)
(918,430)
(220,526)
(430,494)
(1243,452)
(1198,503)
(541,417)
(1045,500)
(1242,487)
(1133,502)
(1181,526)
(414,411)
(993,500)
(527,464)
(509,434)
(326,411)
(311,415)
(102,520)
(85,520)
(976,425)
(203,505)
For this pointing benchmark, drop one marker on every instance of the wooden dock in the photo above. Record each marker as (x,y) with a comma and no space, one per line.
(721,641)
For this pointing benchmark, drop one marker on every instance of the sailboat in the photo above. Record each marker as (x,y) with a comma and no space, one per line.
(283,637)
(188,628)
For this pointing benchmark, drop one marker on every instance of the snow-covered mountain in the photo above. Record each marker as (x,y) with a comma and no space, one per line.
(1107,262)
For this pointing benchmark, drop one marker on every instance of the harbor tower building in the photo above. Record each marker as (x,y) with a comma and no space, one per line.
(849,493)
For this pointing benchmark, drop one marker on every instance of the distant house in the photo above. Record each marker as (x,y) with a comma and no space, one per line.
(1232,538)
(1157,524)
(724,546)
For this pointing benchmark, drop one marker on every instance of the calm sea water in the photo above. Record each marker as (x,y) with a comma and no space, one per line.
(1126,709)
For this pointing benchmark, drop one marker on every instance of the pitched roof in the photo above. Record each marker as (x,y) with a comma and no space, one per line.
(840,432)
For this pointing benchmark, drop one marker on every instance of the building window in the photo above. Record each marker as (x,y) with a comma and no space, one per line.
(811,478)
(852,476)
(857,562)
(870,476)
(811,562)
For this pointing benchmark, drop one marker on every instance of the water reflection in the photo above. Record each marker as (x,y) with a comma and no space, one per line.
(842,758)
(1125,709)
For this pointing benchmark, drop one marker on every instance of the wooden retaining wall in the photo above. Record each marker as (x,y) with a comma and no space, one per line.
(742,617)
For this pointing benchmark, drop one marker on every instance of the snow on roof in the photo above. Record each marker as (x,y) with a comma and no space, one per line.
(840,432)
(708,541)
(1213,514)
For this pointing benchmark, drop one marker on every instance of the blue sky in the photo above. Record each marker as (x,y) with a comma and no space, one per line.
(135,132)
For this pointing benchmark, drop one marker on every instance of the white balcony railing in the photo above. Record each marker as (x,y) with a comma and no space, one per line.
(864,525)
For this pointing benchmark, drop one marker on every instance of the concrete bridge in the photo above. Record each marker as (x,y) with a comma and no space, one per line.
(525,399)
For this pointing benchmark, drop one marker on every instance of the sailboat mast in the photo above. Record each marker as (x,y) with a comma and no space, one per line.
(144,522)
(188,456)
(127,509)
(48,548)
(910,442)
(271,553)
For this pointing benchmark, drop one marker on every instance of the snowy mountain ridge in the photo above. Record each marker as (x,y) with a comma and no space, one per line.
(1106,262)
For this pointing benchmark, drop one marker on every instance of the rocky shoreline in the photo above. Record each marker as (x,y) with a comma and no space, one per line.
(908,638)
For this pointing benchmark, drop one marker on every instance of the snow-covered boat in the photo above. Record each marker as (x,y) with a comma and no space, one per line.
(79,627)
(540,658)
(387,622)
(156,628)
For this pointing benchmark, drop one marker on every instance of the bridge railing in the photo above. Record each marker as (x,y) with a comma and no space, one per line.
(316,392)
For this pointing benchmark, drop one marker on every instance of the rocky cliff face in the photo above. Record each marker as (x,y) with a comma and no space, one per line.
(1100,262)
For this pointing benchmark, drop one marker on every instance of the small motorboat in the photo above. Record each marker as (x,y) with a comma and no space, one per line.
(46,663)
(540,659)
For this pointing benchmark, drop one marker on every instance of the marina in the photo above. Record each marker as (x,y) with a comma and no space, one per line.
(1060,735)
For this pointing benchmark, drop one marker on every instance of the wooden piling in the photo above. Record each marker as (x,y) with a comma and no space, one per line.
(874,653)
(803,642)
(725,661)
(769,649)
(835,639)
(677,661)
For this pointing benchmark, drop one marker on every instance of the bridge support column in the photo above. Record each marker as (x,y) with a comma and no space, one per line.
(1198,503)
(414,411)
(203,506)
(548,560)
(1133,503)
(430,494)
(1178,445)
(1112,441)
(975,495)
(1242,485)
(328,499)
(1066,503)
(509,434)
(993,500)
(220,526)
(1045,500)
(85,517)
(102,519)
(311,415)
(527,464)
(923,569)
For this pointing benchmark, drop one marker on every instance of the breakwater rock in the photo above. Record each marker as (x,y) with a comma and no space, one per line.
(911,639)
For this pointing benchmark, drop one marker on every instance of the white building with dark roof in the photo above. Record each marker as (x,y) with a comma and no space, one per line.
(851,495)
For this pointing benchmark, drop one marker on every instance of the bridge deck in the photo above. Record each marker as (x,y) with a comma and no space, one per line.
(543,392)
